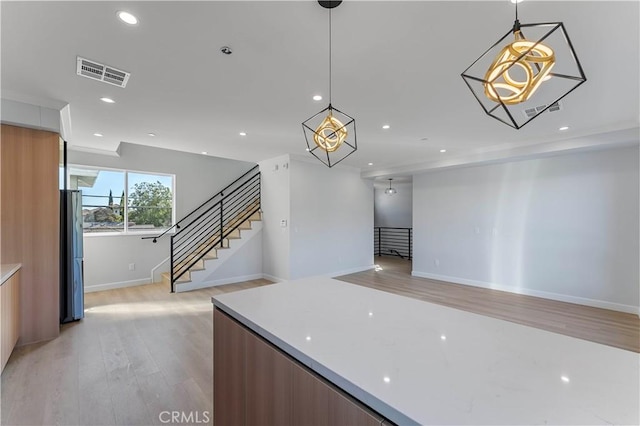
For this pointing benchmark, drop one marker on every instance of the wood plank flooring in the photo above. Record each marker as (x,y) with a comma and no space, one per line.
(142,351)
(138,352)
(604,326)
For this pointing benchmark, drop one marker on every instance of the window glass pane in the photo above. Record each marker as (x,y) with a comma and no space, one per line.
(102,198)
(150,201)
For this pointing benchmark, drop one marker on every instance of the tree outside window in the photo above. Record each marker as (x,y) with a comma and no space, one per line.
(145,203)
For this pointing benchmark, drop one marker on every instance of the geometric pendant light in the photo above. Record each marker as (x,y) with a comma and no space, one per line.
(517,80)
(330,134)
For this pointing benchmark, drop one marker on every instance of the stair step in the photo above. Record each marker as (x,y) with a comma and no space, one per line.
(166,278)
(211,255)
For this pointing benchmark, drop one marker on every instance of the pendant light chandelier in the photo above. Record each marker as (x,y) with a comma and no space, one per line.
(390,190)
(330,134)
(517,82)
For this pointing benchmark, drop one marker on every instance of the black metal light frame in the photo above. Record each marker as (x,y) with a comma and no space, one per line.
(509,109)
(347,148)
(310,125)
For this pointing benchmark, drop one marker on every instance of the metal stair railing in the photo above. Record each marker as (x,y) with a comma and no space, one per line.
(393,242)
(211,224)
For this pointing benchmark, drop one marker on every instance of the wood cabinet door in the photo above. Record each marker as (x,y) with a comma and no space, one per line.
(310,399)
(268,384)
(344,411)
(228,371)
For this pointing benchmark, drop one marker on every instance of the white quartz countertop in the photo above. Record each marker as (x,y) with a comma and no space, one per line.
(8,269)
(417,362)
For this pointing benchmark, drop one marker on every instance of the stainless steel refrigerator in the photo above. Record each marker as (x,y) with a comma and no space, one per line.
(71,257)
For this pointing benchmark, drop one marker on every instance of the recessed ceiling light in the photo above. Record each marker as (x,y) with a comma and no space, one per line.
(443,337)
(98,135)
(563,128)
(386,379)
(308,338)
(370,164)
(127,18)
(317,98)
(516,1)
(153,135)
(243,134)
(204,152)
(386,126)
(108,100)
(443,150)
(564,379)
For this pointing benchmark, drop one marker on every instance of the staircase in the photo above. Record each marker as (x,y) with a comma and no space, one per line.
(211,233)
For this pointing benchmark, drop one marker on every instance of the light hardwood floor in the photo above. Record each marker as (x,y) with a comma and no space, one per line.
(141,350)
(604,326)
(138,352)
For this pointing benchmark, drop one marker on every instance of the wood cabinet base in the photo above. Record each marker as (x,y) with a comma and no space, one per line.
(9,317)
(254,383)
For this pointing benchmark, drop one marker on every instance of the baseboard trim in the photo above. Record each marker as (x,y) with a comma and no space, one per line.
(273,278)
(111,286)
(536,293)
(349,271)
(196,286)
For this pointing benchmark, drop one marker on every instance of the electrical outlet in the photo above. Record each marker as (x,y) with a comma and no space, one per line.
(132,266)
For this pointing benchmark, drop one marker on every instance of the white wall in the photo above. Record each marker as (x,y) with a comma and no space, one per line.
(394,211)
(563,227)
(198,177)
(275,204)
(331,220)
(328,214)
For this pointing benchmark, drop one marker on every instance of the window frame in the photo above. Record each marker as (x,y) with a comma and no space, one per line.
(126,231)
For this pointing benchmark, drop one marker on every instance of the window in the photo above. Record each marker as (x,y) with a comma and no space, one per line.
(123,201)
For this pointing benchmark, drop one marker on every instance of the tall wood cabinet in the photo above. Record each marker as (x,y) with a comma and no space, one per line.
(30,223)
(257,384)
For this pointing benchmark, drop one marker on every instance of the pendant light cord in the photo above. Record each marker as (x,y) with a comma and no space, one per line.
(516,24)
(329,57)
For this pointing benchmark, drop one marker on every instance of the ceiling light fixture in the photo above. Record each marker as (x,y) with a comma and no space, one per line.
(108,100)
(98,135)
(317,98)
(563,128)
(390,190)
(386,126)
(204,152)
(370,164)
(443,150)
(326,135)
(153,135)
(243,134)
(512,74)
(127,18)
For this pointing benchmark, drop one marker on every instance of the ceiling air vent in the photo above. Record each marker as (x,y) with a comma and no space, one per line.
(100,72)
(531,112)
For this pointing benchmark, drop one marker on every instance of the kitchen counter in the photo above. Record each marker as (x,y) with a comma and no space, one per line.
(420,363)
(8,269)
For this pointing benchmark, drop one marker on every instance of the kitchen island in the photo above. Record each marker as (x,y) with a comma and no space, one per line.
(405,361)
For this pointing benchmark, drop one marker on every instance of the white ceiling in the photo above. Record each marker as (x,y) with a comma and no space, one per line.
(395,63)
